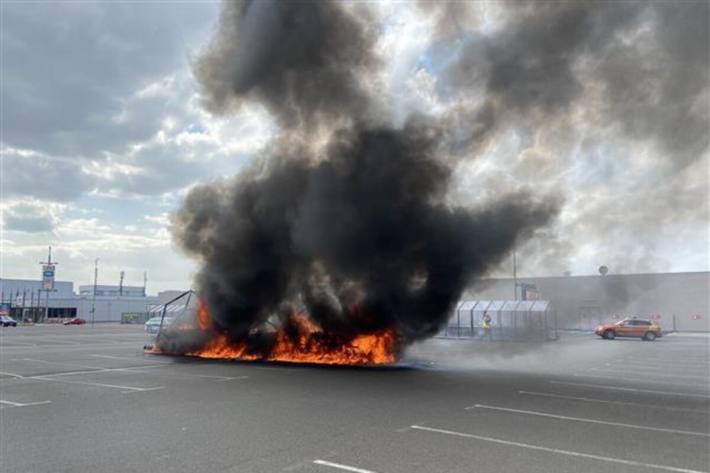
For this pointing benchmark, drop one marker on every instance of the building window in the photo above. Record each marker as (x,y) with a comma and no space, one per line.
(61,312)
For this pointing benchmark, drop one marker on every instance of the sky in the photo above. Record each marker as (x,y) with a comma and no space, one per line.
(103,134)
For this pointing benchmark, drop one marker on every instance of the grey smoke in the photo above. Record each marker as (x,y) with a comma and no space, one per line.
(649,58)
(626,88)
(359,233)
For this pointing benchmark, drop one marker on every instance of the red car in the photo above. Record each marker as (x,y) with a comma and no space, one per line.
(646,329)
(74,321)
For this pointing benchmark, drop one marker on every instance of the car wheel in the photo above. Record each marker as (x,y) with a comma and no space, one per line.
(609,335)
(649,337)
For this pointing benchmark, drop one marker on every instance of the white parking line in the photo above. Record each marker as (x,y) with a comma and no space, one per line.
(50,377)
(129,369)
(141,390)
(92,371)
(12,375)
(135,358)
(34,360)
(625,362)
(13,343)
(22,404)
(633,390)
(556,450)
(664,362)
(651,374)
(137,369)
(342,467)
(606,401)
(634,379)
(585,420)
(102,385)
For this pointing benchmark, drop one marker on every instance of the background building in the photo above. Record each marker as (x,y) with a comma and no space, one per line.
(29,301)
(112,291)
(678,301)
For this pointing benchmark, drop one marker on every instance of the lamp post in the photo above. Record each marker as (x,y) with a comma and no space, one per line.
(93,295)
(515,275)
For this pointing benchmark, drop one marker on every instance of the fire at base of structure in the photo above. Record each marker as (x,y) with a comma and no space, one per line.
(185,322)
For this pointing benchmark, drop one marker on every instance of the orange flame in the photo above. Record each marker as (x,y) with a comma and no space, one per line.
(204,321)
(307,347)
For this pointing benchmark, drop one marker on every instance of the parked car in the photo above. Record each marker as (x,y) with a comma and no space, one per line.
(633,327)
(74,321)
(152,326)
(7,321)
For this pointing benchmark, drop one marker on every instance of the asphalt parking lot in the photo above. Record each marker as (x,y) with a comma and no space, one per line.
(76,399)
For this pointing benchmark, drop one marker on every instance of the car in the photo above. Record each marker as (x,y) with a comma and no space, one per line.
(7,321)
(152,326)
(631,327)
(74,321)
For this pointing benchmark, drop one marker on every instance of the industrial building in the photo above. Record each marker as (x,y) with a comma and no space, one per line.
(28,301)
(678,301)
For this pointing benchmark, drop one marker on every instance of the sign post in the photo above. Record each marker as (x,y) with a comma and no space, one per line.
(48,270)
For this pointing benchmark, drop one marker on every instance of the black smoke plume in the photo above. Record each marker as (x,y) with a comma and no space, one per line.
(305,61)
(357,232)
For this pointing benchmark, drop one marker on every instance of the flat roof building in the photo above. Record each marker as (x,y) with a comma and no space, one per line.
(679,301)
(113,291)
(29,301)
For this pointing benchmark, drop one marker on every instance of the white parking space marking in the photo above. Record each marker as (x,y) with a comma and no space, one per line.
(47,362)
(137,369)
(342,467)
(52,378)
(135,358)
(6,403)
(12,375)
(92,371)
(66,348)
(586,420)
(664,362)
(13,342)
(631,378)
(606,401)
(633,390)
(124,389)
(650,374)
(648,364)
(556,450)
(142,390)
(129,369)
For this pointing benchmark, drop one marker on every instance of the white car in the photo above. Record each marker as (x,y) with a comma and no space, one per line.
(153,325)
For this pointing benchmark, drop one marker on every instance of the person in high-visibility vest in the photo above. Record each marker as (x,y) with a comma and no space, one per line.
(487,326)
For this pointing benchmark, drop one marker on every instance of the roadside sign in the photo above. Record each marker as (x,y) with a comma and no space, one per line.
(5,309)
(48,276)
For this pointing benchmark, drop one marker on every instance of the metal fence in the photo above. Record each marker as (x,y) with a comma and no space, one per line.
(510,320)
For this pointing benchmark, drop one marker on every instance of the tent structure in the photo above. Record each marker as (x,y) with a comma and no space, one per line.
(511,320)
